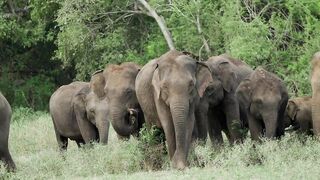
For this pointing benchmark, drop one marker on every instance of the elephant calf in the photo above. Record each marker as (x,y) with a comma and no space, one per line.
(298,114)
(5,116)
(263,99)
(80,113)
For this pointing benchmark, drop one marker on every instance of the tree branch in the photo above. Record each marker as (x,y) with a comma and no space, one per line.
(160,22)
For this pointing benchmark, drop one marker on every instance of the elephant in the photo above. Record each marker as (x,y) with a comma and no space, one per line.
(118,87)
(298,114)
(168,88)
(218,109)
(315,84)
(80,113)
(263,99)
(5,117)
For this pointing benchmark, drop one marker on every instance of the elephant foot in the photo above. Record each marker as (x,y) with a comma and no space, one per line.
(179,163)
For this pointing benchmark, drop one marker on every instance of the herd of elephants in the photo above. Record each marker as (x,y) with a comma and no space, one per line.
(184,97)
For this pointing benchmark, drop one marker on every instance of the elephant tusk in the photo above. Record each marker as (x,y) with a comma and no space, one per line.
(132,111)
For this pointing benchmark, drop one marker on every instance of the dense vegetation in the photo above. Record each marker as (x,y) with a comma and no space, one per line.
(35,151)
(44,44)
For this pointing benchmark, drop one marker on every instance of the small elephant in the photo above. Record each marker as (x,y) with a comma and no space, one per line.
(118,87)
(298,114)
(315,84)
(263,99)
(5,117)
(219,106)
(168,88)
(80,113)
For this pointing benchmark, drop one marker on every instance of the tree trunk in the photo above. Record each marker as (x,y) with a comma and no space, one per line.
(160,22)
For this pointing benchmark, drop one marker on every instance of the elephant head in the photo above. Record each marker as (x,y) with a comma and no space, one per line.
(223,79)
(178,82)
(290,114)
(119,89)
(92,104)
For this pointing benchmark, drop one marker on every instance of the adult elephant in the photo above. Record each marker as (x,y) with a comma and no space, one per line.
(79,112)
(315,84)
(219,108)
(298,114)
(119,89)
(168,89)
(263,99)
(5,117)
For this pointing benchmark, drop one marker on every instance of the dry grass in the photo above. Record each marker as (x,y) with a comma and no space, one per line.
(34,149)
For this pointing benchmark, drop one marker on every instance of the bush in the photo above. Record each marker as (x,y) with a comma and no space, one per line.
(152,147)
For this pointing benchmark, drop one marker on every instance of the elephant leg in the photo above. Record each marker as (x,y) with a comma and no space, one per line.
(6,158)
(214,125)
(232,112)
(62,141)
(255,127)
(201,122)
(167,126)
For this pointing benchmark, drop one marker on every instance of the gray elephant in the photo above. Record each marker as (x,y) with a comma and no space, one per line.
(5,117)
(298,114)
(118,87)
(263,99)
(80,113)
(219,108)
(315,84)
(168,88)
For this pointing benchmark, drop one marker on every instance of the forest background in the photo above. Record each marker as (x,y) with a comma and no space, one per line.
(45,44)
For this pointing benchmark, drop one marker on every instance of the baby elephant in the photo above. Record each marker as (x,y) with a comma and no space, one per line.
(5,116)
(263,98)
(298,114)
(80,113)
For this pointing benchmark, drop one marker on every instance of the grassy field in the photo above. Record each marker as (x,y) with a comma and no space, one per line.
(34,149)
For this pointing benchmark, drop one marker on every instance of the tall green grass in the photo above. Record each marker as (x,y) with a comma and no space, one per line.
(35,151)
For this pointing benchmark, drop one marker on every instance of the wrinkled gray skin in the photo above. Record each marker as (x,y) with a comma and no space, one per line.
(168,89)
(298,114)
(119,89)
(263,99)
(315,84)
(219,108)
(5,117)
(79,114)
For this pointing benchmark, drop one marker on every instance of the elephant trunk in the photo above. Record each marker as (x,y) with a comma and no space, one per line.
(120,120)
(287,120)
(271,123)
(179,111)
(316,114)
(103,129)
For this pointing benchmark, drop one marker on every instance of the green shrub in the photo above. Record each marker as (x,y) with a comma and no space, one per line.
(152,147)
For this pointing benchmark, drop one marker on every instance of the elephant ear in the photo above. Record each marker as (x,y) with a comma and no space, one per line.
(97,83)
(79,102)
(227,76)
(156,82)
(82,94)
(292,109)
(204,77)
(244,92)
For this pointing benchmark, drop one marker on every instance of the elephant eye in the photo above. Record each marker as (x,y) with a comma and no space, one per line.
(91,111)
(128,91)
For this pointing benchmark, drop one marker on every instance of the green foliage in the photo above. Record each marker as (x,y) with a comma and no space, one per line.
(67,40)
(151,146)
